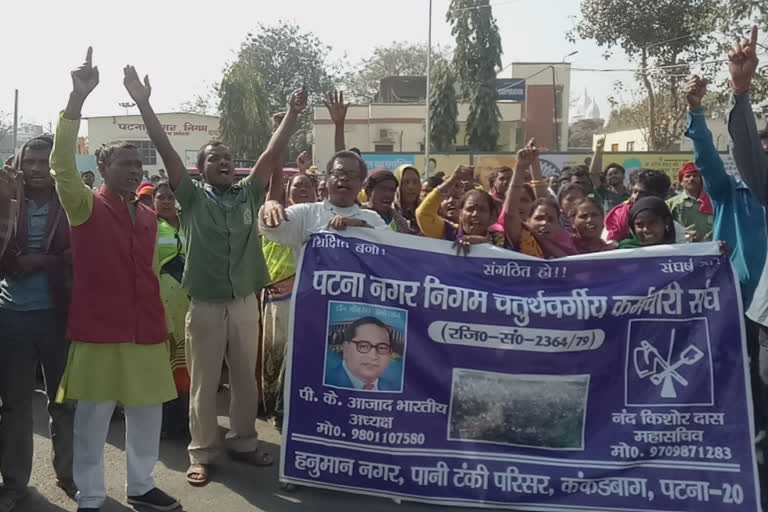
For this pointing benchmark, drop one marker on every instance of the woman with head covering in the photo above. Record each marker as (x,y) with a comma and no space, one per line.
(643,182)
(145,193)
(381,189)
(650,223)
(281,264)
(408,193)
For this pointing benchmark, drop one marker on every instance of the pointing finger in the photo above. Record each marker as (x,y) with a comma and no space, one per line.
(753,38)
(89,56)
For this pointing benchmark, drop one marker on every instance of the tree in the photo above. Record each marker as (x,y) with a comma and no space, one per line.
(664,38)
(443,108)
(580,133)
(286,57)
(735,21)
(475,59)
(361,83)
(244,108)
(202,103)
(6,126)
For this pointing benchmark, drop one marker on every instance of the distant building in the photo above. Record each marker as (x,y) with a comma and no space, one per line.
(533,102)
(634,139)
(187,132)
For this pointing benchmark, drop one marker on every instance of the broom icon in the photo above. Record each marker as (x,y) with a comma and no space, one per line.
(649,363)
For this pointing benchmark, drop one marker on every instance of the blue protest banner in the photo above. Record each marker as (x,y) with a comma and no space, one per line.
(503,381)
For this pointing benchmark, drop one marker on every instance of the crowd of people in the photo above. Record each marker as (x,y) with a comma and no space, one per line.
(140,292)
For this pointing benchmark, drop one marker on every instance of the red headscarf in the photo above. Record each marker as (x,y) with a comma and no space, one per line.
(705,204)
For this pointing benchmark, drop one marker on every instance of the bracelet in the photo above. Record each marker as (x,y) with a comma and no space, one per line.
(537,183)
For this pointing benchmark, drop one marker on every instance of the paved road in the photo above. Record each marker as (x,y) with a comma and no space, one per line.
(234,487)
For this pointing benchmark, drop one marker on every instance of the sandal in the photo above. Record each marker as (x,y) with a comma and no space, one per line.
(254,458)
(197,475)
(10,498)
(68,486)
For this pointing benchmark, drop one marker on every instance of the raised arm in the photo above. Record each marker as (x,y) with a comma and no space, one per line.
(269,166)
(140,93)
(539,184)
(596,164)
(751,160)
(75,196)
(717,183)
(338,112)
(302,162)
(428,212)
(513,222)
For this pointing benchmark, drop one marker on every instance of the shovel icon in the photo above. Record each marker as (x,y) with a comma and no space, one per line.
(649,363)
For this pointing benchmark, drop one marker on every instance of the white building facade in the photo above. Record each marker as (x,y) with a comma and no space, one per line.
(187,133)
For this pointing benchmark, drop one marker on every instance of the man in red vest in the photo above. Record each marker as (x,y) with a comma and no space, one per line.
(116,322)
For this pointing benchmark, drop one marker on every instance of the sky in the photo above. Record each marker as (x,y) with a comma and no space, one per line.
(185,45)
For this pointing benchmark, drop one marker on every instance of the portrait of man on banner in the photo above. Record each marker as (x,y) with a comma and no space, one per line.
(366,348)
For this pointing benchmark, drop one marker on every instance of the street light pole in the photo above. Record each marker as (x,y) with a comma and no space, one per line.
(554,103)
(127,105)
(429,79)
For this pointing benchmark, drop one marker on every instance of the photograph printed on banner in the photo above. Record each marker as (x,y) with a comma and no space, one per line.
(365,347)
(539,411)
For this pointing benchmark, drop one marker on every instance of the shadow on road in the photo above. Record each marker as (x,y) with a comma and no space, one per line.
(234,487)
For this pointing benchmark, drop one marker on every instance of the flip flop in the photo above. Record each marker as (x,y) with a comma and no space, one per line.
(254,458)
(200,470)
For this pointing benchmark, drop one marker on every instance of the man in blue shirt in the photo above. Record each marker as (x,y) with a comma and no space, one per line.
(34,299)
(739,220)
(752,163)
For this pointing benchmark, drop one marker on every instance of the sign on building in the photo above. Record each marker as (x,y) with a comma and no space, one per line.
(511,89)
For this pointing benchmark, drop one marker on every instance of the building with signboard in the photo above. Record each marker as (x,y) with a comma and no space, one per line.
(634,139)
(533,102)
(187,132)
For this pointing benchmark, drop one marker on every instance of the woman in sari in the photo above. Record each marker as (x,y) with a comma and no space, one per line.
(469,222)
(588,222)
(171,252)
(281,263)
(535,232)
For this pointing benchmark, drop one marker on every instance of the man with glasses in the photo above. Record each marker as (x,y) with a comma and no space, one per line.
(366,361)
(292,226)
